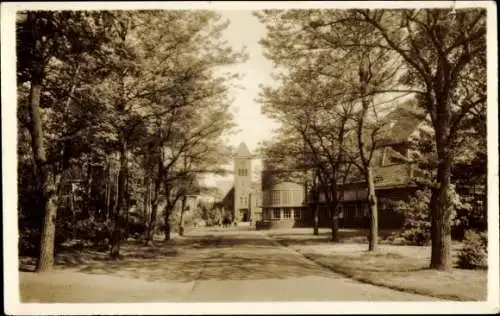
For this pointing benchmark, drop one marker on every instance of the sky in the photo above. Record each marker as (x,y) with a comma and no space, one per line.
(252,126)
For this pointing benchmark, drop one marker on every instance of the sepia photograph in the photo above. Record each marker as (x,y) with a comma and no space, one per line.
(250,157)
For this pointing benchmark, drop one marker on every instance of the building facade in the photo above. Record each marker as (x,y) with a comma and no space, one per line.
(393,171)
(242,184)
(244,198)
(283,206)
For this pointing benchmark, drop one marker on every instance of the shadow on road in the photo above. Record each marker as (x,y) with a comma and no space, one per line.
(215,265)
(208,257)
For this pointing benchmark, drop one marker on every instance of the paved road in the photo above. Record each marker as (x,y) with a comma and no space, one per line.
(206,267)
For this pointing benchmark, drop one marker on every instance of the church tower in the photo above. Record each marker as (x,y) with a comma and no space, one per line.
(242,183)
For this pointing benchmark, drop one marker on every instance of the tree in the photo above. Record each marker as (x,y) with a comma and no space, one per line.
(109,91)
(445,55)
(306,107)
(438,56)
(468,176)
(45,37)
(337,100)
(163,84)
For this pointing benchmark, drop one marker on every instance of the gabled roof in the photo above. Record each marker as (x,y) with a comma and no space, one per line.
(386,156)
(391,176)
(224,186)
(395,127)
(242,151)
(401,122)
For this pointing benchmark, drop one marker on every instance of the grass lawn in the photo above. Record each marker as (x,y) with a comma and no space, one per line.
(398,267)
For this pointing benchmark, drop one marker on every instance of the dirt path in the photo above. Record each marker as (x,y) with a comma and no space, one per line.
(205,266)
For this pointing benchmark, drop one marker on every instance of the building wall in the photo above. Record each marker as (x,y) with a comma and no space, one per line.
(282,206)
(355,213)
(255,205)
(191,202)
(242,186)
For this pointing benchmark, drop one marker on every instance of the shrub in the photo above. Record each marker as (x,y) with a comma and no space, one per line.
(474,252)
(416,228)
(29,242)
(419,236)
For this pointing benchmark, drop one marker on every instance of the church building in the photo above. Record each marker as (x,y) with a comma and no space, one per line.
(243,200)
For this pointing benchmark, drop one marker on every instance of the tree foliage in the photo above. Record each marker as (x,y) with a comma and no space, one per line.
(126,106)
(371,57)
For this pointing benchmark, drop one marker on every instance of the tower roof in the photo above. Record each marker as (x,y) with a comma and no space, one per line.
(242,150)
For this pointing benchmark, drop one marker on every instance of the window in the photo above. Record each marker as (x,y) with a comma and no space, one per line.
(287,197)
(241,200)
(287,213)
(296,214)
(246,201)
(276,198)
(276,213)
(350,211)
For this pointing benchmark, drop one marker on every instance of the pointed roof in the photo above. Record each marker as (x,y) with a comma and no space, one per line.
(224,186)
(242,150)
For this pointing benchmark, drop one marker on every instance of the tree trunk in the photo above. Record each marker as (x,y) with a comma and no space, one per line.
(441,219)
(316,218)
(126,206)
(181,220)
(46,256)
(315,207)
(116,192)
(116,237)
(145,201)
(154,212)
(46,260)
(372,203)
(335,226)
(168,211)
(107,191)
(155,199)
(89,187)
(73,211)
(334,207)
